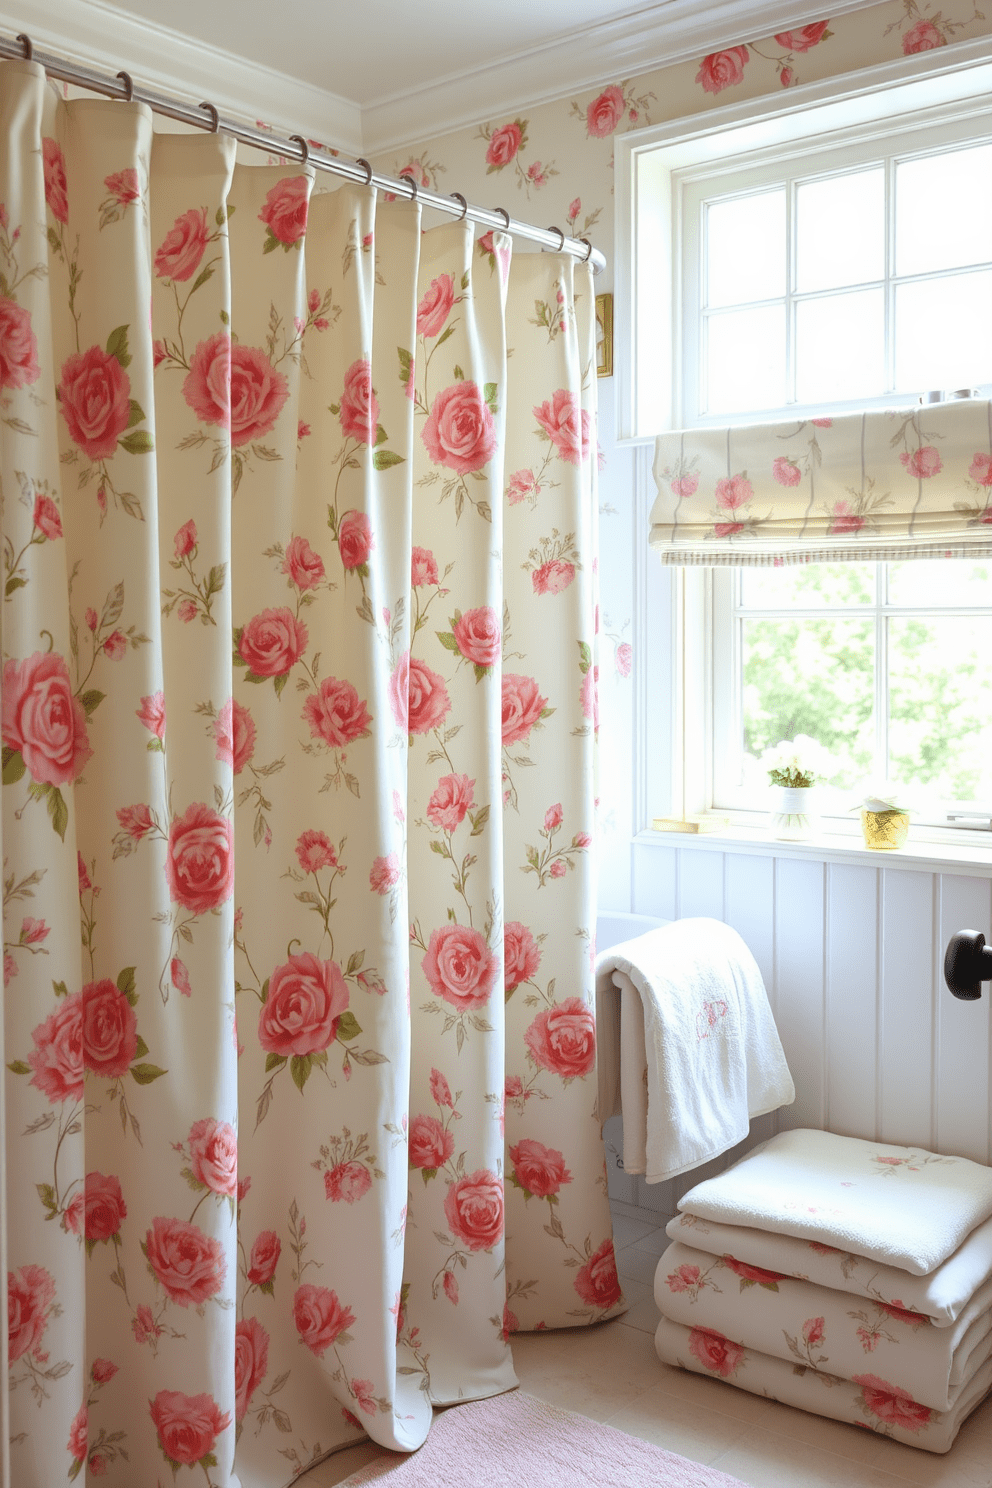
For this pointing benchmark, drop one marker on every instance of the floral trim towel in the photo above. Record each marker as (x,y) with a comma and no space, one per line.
(699,1033)
(818,1328)
(942,1295)
(906,1207)
(868,1400)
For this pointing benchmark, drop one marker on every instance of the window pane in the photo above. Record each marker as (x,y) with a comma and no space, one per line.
(745,360)
(812,677)
(940,680)
(931,582)
(840,346)
(808,586)
(943,211)
(942,336)
(745,249)
(840,231)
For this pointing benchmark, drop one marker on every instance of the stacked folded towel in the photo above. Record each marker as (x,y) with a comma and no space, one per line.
(849,1278)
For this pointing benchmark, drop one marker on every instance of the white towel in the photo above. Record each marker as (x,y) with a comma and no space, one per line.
(696,1033)
(903,1206)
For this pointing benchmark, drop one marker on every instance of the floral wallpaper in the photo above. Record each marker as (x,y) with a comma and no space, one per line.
(553,162)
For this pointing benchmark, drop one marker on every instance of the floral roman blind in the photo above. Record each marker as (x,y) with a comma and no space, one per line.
(888,483)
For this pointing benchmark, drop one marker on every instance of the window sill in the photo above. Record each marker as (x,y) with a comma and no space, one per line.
(970,859)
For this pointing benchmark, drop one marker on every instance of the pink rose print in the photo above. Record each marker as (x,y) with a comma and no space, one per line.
(715,1352)
(79,1434)
(803,39)
(522,483)
(752,1273)
(478,636)
(102,1371)
(189,1264)
(923,37)
(553,577)
(304,567)
(589,695)
(305,999)
(84,878)
(207,387)
(892,1404)
(430,1145)
(264,1258)
(30,1295)
(540,1170)
(110,1030)
(451,1287)
(183,246)
(235,387)
(272,642)
(980,469)
(473,1208)
(199,863)
(440,1089)
(43,720)
(303,430)
(115,646)
(95,398)
(843,519)
(384,874)
(733,493)
(185,540)
(57,1056)
(435,306)
(685,485)
(605,112)
(180,977)
(56,194)
(355,540)
(553,818)
(503,145)
(452,798)
(813,1331)
(566,425)
(521,955)
(460,431)
(786,471)
(923,462)
(33,931)
(348,1181)
(429,703)
(251,1360)
(722,69)
(562,1039)
(314,851)
(99,1211)
(522,706)
(152,714)
(623,658)
(123,185)
(19,365)
(188,1425)
(336,714)
(187,610)
(460,967)
(234,731)
(597,1282)
(683,1279)
(359,405)
(558,869)
(511,1324)
(285,210)
(320,1318)
(213,1147)
(144,1326)
(423,568)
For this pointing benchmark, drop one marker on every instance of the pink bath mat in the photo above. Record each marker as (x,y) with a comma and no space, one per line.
(514,1440)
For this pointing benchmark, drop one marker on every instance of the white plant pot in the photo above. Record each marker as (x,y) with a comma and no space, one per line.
(794,817)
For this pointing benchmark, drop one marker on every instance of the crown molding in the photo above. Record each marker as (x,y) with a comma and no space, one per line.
(101,37)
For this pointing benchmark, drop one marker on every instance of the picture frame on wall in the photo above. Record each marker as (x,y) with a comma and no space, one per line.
(604,335)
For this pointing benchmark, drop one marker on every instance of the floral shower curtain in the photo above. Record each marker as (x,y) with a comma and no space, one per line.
(299,704)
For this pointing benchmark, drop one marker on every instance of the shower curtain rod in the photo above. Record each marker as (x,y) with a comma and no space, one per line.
(296,148)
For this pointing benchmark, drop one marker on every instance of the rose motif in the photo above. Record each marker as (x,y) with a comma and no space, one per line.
(722,69)
(305,999)
(285,210)
(813,1331)
(734,492)
(683,1279)
(347,1181)
(103,1370)
(234,731)
(503,145)
(521,484)
(624,658)
(521,955)
(183,246)
(319,1316)
(478,636)
(589,695)
(95,399)
(449,802)
(19,365)
(923,37)
(522,706)
(553,577)
(597,1282)
(355,541)
(199,862)
(185,539)
(428,700)
(562,1039)
(430,1145)
(336,714)
(359,406)
(440,1089)
(605,112)
(98,1211)
(540,1170)
(264,1258)
(189,1264)
(47,518)
(473,1208)
(304,567)
(892,1404)
(213,1148)
(315,850)
(79,1433)
(251,1360)
(152,714)
(110,1030)
(715,1352)
(923,462)
(566,425)
(752,1273)
(435,305)
(384,874)
(803,39)
(785,471)
(843,519)
(685,485)
(272,642)
(56,194)
(188,1425)
(423,567)
(460,431)
(235,387)
(460,967)
(57,1056)
(980,469)
(207,386)
(30,1295)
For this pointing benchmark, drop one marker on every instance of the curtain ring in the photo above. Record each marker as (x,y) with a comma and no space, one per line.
(414,188)
(303,146)
(215,117)
(128,86)
(561,236)
(457,196)
(505,216)
(368,170)
(588,249)
(28,46)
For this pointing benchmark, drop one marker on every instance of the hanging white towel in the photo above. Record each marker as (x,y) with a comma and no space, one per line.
(694,1053)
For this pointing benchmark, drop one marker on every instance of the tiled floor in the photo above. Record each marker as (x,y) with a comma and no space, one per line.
(612,1373)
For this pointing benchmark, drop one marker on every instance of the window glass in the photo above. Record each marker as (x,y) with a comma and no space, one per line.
(840,346)
(936,344)
(943,212)
(745,249)
(940,704)
(840,230)
(745,359)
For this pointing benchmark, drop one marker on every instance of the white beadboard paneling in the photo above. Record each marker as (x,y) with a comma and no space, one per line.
(906,1044)
(700,885)
(799,985)
(962,1053)
(749,906)
(653,890)
(850,1015)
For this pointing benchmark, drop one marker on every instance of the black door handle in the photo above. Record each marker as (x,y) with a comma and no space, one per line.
(967,963)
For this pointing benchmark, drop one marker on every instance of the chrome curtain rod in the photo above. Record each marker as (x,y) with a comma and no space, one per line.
(296,148)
